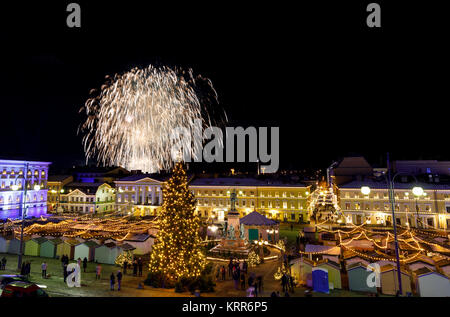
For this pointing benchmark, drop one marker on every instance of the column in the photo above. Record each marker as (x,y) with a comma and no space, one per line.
(143,195)
(153,195)
(160,196)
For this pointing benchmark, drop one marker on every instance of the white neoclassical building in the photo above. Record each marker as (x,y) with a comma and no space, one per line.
(139,194)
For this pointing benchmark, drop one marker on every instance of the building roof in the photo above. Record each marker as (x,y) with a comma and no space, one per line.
(58,178)
(241,181)
(40,240)
(382,184)
(137,237)
(324,249)
(89,243)
(127,247)
(136,177)
(87,188)
(256,219)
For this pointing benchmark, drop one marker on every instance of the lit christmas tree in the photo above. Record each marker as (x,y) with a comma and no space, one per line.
(177,249)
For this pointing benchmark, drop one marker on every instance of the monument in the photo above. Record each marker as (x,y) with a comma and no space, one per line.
(233,235)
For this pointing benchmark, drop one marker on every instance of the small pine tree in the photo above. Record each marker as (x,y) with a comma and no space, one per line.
(177,252)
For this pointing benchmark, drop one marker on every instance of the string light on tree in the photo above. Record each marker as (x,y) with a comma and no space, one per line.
(177,249)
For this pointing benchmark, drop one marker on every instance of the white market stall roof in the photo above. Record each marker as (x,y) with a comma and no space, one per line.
(324,249)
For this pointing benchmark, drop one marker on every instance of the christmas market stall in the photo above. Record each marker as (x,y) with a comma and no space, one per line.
(358,276)
(85,250)
(301,270)
(48,248)
(389,280)
(257,226)
(141,242)
(33,246)
(67,247)
(334,272)
(14,246)
(431,284)
(107,253)
(4,243)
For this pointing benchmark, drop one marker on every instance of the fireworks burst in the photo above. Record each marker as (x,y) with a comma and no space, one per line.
(130,123)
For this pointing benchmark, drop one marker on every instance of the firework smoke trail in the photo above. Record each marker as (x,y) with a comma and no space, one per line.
(131,121)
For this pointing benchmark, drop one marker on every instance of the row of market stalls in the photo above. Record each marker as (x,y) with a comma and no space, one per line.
(363,260)
(97,250)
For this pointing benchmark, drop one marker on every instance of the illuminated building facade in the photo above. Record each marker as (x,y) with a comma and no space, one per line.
(274,199)
(88,198)
(13,176)
(139,194)
(430,210)
(56,184)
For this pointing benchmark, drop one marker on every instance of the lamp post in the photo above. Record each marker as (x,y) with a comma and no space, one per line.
(23,209)
(417,191)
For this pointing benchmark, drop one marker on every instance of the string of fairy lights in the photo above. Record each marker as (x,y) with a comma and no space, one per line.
(85,227)
(408,240)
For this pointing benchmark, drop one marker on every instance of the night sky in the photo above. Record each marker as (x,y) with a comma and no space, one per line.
(333,86)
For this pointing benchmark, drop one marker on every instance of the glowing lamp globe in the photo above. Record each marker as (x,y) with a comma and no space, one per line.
(417,191)
(15,187)
(365,190)
(37,187)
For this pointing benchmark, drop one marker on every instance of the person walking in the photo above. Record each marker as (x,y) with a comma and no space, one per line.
(135,267)
(236,279)
(44,270)
(79,263)
(65,271)
(284,282)
(140,264)
(230,268)
(119,279)
(291,283)
(242,281)
(22,269)
(85,264)
(245,266)
(98,271)
(3,263)
(112,281)
(125,266)
(28,269)
(259,278)
(223,271)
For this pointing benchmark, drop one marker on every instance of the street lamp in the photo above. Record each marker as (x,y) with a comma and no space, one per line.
(418,192)
(23,210)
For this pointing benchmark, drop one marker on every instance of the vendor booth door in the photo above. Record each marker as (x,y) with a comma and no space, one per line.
(320,280)
(253,234)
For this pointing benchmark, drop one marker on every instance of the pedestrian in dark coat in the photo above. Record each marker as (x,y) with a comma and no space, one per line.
(236,279)
(140,266)
(125,266)
(28,269)
(223,271)
(230,268)
(84,264)
(65,272)
(119,280)
(284,282)
(3,263)
(112,281)
(22,269)
(135,267)
(242,281)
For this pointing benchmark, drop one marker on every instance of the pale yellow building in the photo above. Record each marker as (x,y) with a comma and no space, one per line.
(430,210)
(56,184)
(274,199)
(88,198)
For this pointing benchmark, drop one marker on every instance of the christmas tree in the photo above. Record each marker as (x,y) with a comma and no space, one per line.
(177,249)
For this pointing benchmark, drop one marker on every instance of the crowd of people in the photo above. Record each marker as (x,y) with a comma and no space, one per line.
(243,280)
